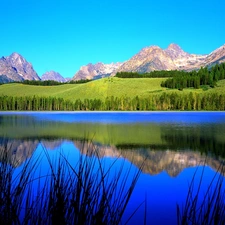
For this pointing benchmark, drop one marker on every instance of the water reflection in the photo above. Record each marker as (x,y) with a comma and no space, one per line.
(172,145)
(17,151)
(156,161)
(164,131)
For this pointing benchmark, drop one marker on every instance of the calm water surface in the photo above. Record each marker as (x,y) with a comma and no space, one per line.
(174,144)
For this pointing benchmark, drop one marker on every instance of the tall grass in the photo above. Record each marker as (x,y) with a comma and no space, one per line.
(207,210)
(86,192)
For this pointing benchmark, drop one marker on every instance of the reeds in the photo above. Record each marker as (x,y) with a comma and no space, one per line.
(209,209)
(86,192)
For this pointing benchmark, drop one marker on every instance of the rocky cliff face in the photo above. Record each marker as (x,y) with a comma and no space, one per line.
(7,71)
(96,71)
(16,68)
(4,79)
(52,75)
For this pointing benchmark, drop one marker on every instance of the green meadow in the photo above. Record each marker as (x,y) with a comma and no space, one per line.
(100,89)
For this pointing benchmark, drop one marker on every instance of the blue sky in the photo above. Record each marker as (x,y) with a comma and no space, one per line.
(63,35)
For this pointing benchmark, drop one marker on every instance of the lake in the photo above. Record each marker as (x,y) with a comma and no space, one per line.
(172,146)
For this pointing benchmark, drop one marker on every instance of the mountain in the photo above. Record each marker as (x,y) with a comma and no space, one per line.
(183,60)
(16,68)
(5,79)
(148,59)
(215,57)
(96,71)
(7,71)
(154,58)
(52,75)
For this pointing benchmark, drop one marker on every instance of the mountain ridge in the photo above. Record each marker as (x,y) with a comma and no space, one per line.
(16,68)
(172,58)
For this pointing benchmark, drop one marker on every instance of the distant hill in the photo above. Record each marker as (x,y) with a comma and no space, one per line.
(16,68)
(52,75)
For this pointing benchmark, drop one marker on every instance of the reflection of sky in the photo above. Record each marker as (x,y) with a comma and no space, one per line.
(162,192)
(131,117)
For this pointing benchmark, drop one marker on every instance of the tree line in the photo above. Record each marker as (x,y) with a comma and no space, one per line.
(42,82)
(204,76)
(165,101)
(153,74)
(52,82)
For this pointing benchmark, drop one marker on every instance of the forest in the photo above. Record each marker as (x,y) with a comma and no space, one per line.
(204,76)
(165,101)
(183,79)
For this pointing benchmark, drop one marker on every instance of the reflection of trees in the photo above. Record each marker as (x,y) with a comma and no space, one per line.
(200,139)
(17,151)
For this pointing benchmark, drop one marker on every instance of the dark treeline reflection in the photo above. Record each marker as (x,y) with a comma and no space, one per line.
(196,139)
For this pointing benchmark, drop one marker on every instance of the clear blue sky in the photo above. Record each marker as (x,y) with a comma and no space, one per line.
(63,35)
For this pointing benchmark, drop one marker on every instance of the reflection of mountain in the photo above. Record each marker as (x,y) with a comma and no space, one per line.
(52,144)
(155,161)
(89,148)
(204,137)
(15,152)
(170,161)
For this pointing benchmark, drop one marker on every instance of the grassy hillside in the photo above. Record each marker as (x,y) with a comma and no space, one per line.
(100,89)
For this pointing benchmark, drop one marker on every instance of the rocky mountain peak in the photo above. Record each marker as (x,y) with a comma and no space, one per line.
(176,52)
(52,75)
(22,67)
(16,58)
(149,50)
(174,47)
(96,71)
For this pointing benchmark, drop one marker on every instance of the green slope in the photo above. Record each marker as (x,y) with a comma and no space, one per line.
(100,89)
